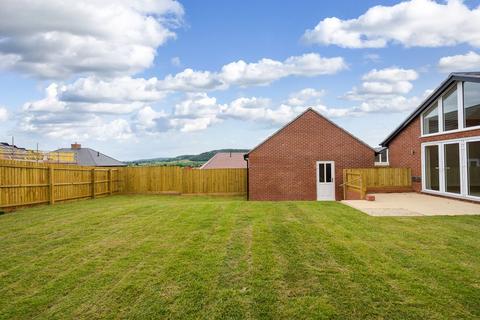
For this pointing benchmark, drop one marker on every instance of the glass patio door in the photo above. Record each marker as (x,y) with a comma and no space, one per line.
(432,164)
(473,165)
(452,168)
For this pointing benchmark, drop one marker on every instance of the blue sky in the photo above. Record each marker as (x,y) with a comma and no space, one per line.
(186,77)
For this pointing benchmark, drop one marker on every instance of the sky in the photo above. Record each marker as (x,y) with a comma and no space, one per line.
(140,79)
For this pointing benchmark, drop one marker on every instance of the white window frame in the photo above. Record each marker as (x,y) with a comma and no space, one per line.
(441,164)
(440,119)
(461,115)
(465,128)
(383,163)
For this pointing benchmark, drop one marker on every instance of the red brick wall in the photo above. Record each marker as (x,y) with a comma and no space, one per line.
(284,167)
(405,149)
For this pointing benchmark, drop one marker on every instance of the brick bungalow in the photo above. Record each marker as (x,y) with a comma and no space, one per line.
(440,140)
(304,160)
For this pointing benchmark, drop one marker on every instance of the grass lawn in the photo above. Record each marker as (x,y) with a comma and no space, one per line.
(144,257)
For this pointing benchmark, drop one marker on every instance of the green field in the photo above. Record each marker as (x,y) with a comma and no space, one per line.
(145,257)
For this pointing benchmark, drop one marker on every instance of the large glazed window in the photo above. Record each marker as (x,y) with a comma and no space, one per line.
(450,110)
(432,180)
(473,155)
(471,102)
(430,120)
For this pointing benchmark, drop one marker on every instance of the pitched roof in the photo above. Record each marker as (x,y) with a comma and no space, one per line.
(298,117)
(453,77)
(90,157)
(226,160)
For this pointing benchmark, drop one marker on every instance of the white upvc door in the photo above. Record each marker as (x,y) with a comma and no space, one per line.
(325,180)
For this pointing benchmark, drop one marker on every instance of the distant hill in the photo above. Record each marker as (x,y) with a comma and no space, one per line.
(191,160)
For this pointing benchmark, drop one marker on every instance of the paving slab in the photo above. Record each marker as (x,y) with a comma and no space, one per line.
(413,204)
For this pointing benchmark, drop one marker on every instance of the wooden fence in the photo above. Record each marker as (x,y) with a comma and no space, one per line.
(26,183)
(361,181)
(178,180)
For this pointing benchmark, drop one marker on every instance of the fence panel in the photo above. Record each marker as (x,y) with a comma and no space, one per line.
(215,181)
(152,179)
(184,181)
(28,183)
(378,179)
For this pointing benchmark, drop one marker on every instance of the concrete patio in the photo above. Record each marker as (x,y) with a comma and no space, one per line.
(413,204)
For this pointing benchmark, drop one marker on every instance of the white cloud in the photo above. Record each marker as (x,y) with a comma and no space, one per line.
(258,110)
(121,105)
(88,104)
(3,114)
(190,80)
(388,81)
(197,112)
(124,94)
(176,62)
(263,72)
(76,127)
(56,39)
(416,23)
(372,57)
(117,90)
(149,120)
(305,96)
(462,62)
(266,71)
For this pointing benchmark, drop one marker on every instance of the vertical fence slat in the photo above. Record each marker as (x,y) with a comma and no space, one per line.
(51,185)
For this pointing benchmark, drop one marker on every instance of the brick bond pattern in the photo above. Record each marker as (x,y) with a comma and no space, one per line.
(284,166)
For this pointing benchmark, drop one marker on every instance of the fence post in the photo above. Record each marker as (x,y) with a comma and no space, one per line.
(110,181)
(51,186)
(93,183)
(344,184)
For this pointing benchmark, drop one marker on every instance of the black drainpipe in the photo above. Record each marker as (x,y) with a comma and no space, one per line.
(245,157)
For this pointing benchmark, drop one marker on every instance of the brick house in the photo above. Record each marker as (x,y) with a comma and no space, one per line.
(440,140)
(304,160)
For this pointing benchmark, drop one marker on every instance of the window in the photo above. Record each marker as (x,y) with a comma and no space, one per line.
(450,110)
(381,157)
(324,172)
(328,170)
(471,101)
(430,119)
(473,155)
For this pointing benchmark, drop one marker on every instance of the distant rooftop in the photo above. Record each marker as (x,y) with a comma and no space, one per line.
(92,158)
(226,160)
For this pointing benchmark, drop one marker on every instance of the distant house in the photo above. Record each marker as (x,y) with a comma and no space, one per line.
(92,158)
(226,160)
